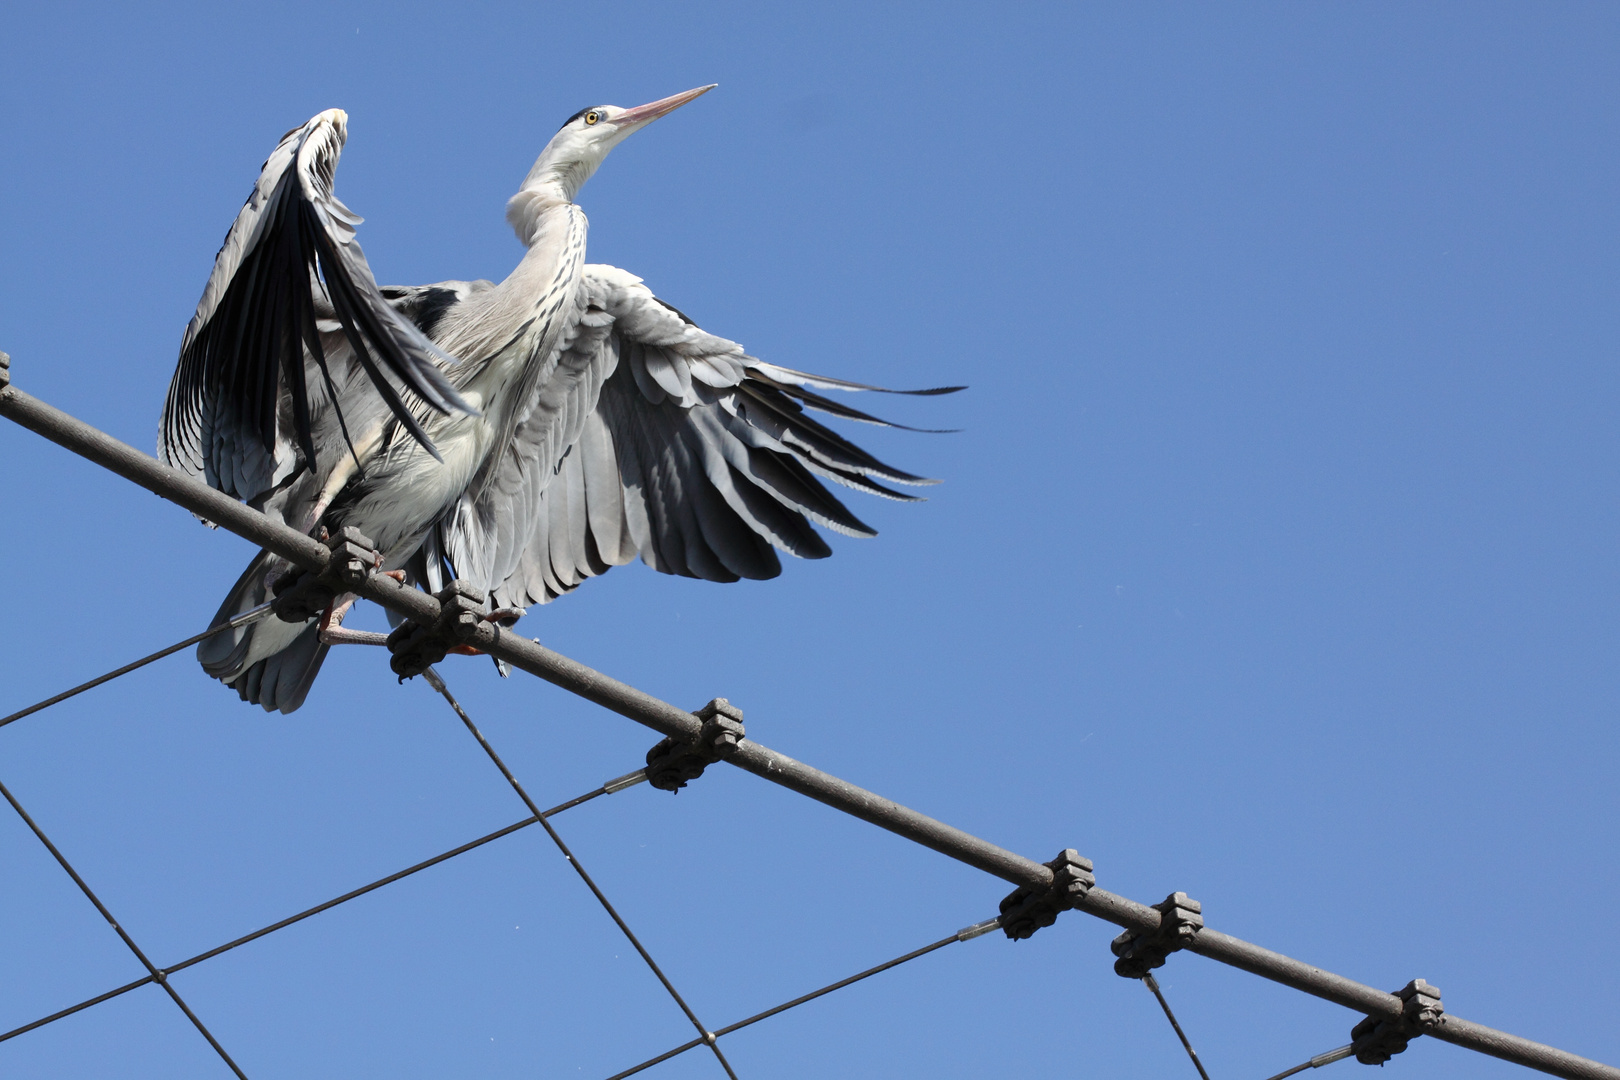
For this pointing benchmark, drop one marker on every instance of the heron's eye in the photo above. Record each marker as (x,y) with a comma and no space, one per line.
(592,117)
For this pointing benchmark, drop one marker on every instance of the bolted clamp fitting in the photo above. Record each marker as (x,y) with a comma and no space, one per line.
(1180,919)
(1377,1039)
(672,763)
(353,559)
(1028,908)
(416,647)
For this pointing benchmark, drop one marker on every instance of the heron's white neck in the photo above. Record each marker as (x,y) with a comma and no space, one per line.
(569,159)
(507,333)
(526,211)
(555,180)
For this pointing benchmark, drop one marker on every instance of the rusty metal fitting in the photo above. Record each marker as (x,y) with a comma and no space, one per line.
(1180,919)
(416,648)
(1029,908)
(353,559)
(1377,1038)
(673,763)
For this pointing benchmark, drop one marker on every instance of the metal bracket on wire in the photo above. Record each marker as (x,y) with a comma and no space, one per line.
(1180,919)
(1377,1039)
(301,597)
(416,647)
(1028,908)
(673,763)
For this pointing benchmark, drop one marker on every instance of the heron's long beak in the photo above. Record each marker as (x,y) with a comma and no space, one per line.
(646,114)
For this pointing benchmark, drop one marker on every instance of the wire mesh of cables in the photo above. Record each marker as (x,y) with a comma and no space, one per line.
(160,976)
(693,741)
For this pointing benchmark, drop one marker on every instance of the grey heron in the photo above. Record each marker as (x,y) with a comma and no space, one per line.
(522,436)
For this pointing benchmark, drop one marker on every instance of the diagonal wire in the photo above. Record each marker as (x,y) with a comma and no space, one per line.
(611,786)
(1153,984)
(1319,1060)
(243,619)
(153,972)
(80,1007)
(705,1035)
(961,935)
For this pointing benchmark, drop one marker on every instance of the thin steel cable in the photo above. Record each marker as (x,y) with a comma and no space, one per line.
(71,1009)
(317,909)
(156,975)
(704,1033)
(961,935)
(1153,985)
(1318,1061)
(243,619)
(665,1056)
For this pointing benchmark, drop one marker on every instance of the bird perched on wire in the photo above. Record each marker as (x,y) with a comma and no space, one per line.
(522,436)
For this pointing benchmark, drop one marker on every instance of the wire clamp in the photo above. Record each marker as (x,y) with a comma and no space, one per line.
(354,557)
(673,763)
(1180,919)
(1377,1038)
(416,647)
(1028,908)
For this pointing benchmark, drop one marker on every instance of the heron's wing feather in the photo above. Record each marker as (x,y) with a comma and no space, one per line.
(668,443)
(292,335)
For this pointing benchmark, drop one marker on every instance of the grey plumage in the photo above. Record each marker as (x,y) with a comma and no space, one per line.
(525,435)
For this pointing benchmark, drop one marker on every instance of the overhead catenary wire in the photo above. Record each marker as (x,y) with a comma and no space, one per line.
(1153,984)
(153,972)
(965,934)
(704,1034)
(670,720)
(1318,1061)
(251,615)
(612,786)
(617,784)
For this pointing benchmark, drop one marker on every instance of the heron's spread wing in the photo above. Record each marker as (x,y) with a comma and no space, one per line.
(292,335)
(657,439)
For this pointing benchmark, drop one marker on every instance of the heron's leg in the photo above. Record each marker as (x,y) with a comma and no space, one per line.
(332,632)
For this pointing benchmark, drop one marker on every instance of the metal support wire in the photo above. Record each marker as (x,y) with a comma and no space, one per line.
(617,784)
(153,972)
(704,1035)
(519,652)
(1153,984)
(1318,1061)
(251,615)
(965,934)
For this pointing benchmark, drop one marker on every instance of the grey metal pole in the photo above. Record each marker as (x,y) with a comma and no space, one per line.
(146,471)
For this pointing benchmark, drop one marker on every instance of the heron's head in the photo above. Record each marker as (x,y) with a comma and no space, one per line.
(574,153)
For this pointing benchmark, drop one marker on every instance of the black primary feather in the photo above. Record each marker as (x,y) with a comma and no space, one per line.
(254,341)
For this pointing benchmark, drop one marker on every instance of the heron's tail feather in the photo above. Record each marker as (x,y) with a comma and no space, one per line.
(270,663)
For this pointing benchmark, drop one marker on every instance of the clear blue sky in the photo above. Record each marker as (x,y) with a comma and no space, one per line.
(1276,560)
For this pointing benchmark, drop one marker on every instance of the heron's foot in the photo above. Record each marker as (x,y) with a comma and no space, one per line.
(332,631)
